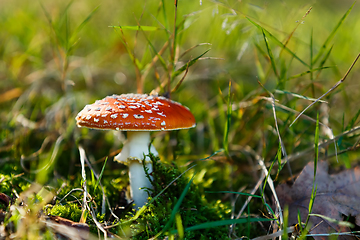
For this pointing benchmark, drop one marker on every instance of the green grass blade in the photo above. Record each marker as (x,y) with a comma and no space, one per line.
(271,56)
(162,61)
(342,126)
(311,202)
(267,176)
(57,27)
(316,145)
(187,65)
(137,28)
(176,208)
(268,207)
(92,178)
(332,220)
(166,22)
(64,23)
(311,48)
(86,20)
(74,37)
(278,42)
(178,203)
(215,153)
(297,95)
(332,34)
(179,225)
(284,69)
(223,222)
(101,173)
(324,60)
(286,222)
(133,58)
(239,193)
(262,52)
(307,72)
(47,14)
(299,220)
(227,123)
(311,63)
(141,210)
(353,121)
(259,68)
(280,166)
(314,187)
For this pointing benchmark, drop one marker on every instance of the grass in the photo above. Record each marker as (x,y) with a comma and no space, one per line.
(246,69)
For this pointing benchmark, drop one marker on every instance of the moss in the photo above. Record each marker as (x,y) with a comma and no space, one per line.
(194,209)
(12,182)
(69,211)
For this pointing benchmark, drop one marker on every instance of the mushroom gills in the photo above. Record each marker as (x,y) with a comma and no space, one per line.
(135,147)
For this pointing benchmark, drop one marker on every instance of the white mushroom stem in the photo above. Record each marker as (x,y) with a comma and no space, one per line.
(132,154)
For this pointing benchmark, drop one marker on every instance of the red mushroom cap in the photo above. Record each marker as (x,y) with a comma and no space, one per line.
(135,112)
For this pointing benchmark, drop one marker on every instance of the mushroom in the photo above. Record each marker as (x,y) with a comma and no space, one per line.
(138,114)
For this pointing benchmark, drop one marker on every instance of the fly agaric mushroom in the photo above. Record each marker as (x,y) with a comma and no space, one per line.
(138,114)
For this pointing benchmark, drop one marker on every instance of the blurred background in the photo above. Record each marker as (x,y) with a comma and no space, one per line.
(58,56)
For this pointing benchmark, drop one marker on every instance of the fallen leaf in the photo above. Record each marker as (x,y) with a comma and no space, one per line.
(336,194)
(68,228)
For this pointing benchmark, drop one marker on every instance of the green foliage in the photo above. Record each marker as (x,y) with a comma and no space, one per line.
(192,208)
(56,57)
(12,183)
(70,211)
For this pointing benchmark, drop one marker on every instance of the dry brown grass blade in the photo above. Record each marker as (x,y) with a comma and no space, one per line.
(85,205)
(182,79)
(261,179)
(296,112)
(193,47)
(322,145)
(153,61)
(270,182)
(298,24)
(139,83)
(10,94)
(283,149)
(276,234)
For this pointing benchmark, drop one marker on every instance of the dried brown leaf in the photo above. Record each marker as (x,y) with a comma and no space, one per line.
(336,194)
